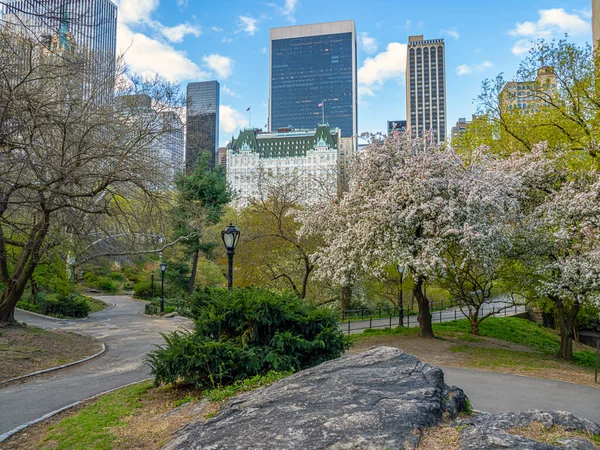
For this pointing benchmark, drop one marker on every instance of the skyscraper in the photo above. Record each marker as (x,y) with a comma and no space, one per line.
(202,124)
(313,77)
(595,22)
(426,86)
(84,27)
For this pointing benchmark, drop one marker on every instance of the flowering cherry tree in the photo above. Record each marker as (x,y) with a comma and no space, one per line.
(560,235)
(410,202)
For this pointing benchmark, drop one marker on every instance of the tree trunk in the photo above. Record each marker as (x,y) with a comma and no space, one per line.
(566,321)
(8,301)
(475,327)
(345,294)
(424,317)
(193,273)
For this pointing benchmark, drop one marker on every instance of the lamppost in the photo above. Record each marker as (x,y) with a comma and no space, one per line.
(152,284)
(230,236)
(163,267)
(401,305)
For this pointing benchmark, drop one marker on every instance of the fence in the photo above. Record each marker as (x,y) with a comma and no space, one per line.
(373,319)
(386,311)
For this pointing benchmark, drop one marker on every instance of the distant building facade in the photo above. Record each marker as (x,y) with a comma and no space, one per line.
(308,156)
(426,87)
(222,156)
(528,97)
(164,153)
(460,128)
(202,122)
(396,126)
(83,27)
(313,65)
(595,22)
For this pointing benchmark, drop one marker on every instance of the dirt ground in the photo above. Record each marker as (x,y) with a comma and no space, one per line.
(26,349)
(484,354)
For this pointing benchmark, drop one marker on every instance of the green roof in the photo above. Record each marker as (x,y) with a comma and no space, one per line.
(293,143)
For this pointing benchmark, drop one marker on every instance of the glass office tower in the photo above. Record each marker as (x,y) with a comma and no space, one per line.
(313,65)
(202,122)
(84,27)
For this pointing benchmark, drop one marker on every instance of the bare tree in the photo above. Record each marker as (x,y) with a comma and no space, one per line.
(75,170)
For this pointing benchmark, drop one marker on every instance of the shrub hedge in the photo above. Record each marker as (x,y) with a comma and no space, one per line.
(246,332)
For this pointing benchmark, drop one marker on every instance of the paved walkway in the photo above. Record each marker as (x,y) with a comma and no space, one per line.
(446,315)
(495,392)
(128,336)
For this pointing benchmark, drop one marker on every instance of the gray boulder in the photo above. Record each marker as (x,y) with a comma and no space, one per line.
(373,400)
(488,431)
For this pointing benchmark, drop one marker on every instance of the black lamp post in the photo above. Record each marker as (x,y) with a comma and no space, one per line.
(230,236)
(152,284)
(401,305)
(163,267)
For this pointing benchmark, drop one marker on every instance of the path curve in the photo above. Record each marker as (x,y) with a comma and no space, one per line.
(496,392)
(128,336)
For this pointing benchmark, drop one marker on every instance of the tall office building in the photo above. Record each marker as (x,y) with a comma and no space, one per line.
(595,22)
(426,87)
(202,124)
(84,27)
(310,66)
(396,126)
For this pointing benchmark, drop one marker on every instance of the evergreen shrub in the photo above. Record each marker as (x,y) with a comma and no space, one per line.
(246,332)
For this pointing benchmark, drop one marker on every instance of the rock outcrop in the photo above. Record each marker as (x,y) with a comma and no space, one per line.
(371,400)
(490,431)
(380,399)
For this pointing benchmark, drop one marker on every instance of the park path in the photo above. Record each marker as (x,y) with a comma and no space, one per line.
(128,337)
(496,392)
(447,315)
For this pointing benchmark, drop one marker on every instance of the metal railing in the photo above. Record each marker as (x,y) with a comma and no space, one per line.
(352,325)
(387,311)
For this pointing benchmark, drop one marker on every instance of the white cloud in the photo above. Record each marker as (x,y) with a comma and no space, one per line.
(264,50)
(551,23)
(221,65)
(216,29)
(287,10)
(147,56)
(384,66)
(451,32)
(227,40)
(178,32)
(182,3)
(228,91)
(367,43)
(248,25)
(230,119)
(134,11)
(465,69)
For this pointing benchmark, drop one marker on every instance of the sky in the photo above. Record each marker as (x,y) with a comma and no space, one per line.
(199,40)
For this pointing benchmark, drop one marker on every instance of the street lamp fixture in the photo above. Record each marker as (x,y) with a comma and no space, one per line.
(230,236)
(163,267)
(401,303)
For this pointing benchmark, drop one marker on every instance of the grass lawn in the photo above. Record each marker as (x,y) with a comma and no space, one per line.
(140,416)
(25,349)
(507,344)
(96,305)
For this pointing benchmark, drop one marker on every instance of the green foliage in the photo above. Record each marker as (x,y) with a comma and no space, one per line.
(72,305)
(116,276)
(53,277)
(133,273)
(249,384)
(143,290)
(91,428)
(246,332)
(101,283)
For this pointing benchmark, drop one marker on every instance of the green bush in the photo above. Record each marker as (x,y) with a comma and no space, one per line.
(143,290)
(101,283)
(247,332)
(116,276)
(72,305)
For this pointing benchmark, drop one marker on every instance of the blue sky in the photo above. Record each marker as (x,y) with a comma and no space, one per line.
(196,40)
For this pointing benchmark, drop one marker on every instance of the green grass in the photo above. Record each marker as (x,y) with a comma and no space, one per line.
(184,400)
(511,329)
(90,429)
(249,384)
(96,305)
